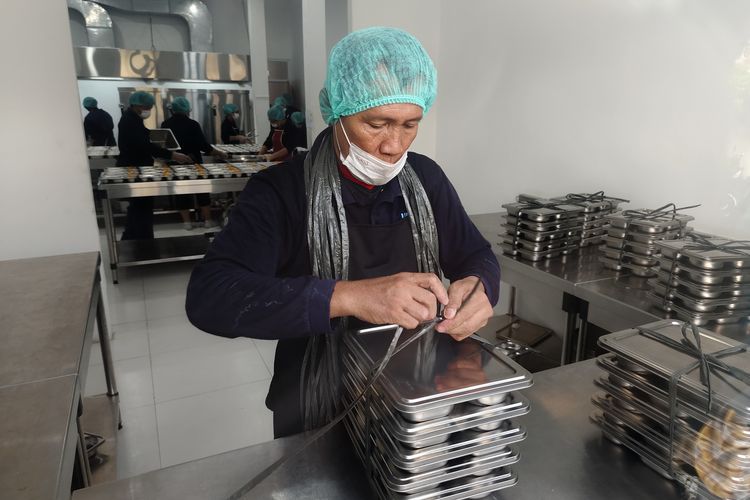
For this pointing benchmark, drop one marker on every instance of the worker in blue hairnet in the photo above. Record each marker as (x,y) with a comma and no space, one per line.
(286,101)
(137,150)
(300,128)
(283,137)
(192,142)
(98,125)
(359,229)
(230,126)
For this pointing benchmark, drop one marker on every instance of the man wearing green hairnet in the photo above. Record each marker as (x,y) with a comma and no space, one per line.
(230,126)
(283,137)
(137,150)
(193,142)
(98,125)
(358,230)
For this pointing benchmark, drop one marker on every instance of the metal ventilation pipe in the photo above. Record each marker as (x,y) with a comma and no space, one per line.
(98,22)
(194,12)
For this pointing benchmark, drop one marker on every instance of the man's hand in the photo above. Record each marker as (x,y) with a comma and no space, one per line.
(474,313)
(181,158)
(219,154)
(406,299)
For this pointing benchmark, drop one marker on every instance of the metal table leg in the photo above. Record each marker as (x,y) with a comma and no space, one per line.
(106,348)
(81,455)
(583,314)
(110,233)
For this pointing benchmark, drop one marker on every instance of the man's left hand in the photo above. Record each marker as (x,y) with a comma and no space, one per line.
(472,316)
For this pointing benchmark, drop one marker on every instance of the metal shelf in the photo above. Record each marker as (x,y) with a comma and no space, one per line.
(173,249)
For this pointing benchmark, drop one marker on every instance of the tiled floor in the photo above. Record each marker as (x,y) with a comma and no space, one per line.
(184,394)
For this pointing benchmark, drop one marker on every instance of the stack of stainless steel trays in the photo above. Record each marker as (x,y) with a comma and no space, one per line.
(595,207)
(703,280)
(156,173)
(437,423)
(708,446)
(632,236)
(238,149)
(541,229)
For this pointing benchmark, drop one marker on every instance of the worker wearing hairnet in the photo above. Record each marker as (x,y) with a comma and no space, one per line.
(136,150)
(230,127)
(283,137)
(192,142)
(285,101)
(300,128)
(358,229)
(98,125)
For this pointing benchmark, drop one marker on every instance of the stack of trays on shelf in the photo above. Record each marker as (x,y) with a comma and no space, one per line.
(119,174)
(632,236)
(595,207)
(537,229)
(437,423)
(699,431)
(703,279)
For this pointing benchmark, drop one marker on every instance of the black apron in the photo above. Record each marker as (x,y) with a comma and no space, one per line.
(374,251)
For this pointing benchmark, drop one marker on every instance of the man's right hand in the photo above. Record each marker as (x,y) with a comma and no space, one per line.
(405,299)
(181,158)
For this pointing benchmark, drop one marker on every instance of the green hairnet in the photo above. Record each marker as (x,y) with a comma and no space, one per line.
(276,113)
(280,101)
(230,108)
(180,105)
(298,118)
(141,98)
(89,102)
(373,67)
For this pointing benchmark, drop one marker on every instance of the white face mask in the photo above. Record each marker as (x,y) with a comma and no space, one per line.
(369,168)
(145,113)
(236,117)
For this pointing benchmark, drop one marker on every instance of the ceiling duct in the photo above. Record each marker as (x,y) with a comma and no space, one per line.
(194,12)
(98,22)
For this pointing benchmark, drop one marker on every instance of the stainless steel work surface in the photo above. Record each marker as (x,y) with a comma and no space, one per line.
(164,188)
(38,439)
(564,457)
(44,312)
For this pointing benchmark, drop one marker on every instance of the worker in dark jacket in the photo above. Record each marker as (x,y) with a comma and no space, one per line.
(192,142)
(285,100)
(136,149)
(300,128)
(357,228)
(283,137)
(98,125)
(230,128)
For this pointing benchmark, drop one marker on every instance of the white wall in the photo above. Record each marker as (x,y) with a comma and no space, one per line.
(337,22)
(421,18)
(641,98)
(46,206)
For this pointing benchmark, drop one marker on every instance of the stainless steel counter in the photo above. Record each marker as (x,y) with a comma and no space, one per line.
(143,252)
(564,457)
(48,310)
(611,300)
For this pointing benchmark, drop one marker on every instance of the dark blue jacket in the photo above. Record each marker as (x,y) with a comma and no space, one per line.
(255,280)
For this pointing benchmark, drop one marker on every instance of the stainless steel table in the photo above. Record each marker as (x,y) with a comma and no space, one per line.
(48,310)
(143,252)
(564,457)
(591,293)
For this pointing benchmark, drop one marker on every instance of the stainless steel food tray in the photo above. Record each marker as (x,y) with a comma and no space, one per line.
(422,376)
(685,251)
(533,213)
(647,238)
(732,300)
(643,249)
(703,276)
(539,236)
(668,223)
(629,257)
(538,256)
(555,225)
(699,290)
(663,361)
(640,271)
